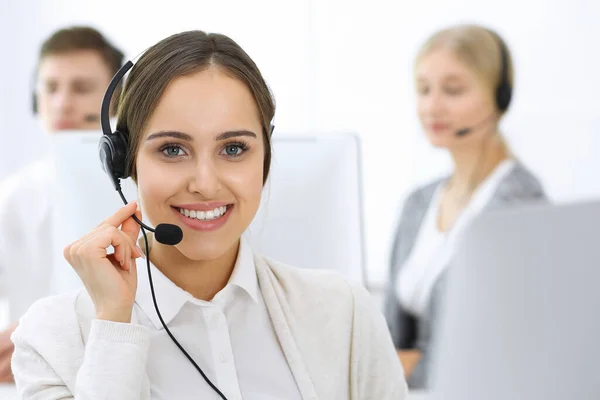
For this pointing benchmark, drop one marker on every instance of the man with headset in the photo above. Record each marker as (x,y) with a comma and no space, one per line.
(74,68)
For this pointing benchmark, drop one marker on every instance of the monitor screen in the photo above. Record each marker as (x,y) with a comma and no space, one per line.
(311,213)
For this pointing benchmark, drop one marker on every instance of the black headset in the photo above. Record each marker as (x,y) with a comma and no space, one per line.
(114,154)
(504,89)
(34,106)
(114,149)
(114,146)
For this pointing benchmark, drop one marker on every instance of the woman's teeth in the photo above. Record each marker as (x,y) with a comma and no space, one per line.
(204,215)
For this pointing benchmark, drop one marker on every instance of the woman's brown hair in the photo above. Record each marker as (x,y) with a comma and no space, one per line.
(180,55)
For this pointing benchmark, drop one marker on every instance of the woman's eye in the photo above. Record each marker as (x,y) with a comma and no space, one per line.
(233,150)
(172,151)
(422,90)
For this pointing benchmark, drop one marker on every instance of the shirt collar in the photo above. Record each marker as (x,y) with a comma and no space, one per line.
(171,298)
(244,271)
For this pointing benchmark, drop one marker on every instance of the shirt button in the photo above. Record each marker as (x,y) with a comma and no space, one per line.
(223,357)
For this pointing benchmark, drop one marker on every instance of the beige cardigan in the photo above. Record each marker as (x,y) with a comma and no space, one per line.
(333,338)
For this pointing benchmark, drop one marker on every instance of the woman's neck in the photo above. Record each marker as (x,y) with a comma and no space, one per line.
(473,167)
(202,279)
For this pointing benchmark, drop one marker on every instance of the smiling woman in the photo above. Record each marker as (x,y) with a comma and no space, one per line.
(202,148)
(196,115)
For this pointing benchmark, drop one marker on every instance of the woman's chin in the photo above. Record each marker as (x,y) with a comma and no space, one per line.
(208,250)
(438,141)
(440,144)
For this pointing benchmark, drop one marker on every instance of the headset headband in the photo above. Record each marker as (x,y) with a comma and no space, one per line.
(105,110)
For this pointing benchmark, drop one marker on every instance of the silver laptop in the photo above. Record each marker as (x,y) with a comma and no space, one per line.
(522,308)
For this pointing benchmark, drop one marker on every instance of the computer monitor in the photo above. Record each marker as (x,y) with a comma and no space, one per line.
(520,317)
(311,213)
(82,197)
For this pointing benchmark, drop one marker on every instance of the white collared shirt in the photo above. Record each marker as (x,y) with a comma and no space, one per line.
(231,338)
(335,340)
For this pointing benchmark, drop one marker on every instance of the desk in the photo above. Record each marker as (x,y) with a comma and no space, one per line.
(8,392)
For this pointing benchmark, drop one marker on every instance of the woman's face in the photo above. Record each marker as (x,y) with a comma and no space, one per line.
(451,97)
(200,162)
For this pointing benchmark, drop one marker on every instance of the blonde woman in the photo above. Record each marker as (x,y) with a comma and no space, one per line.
(464,81)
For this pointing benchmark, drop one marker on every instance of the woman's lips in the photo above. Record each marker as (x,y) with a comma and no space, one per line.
(207,219)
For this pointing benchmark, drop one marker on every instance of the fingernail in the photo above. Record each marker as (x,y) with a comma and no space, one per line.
(141,253)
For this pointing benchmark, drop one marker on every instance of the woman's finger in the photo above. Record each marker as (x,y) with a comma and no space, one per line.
(95,247)
(6,375)
(128,252)
(131,228)
(119,217)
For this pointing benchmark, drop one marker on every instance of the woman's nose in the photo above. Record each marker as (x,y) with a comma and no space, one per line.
(205,180)
(433,103)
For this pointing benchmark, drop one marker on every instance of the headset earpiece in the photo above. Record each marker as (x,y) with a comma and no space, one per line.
(504,89)
(114,146)
(503,96)
(113,151)
(34,103)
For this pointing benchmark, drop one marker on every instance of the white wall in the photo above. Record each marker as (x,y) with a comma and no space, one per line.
(347,64)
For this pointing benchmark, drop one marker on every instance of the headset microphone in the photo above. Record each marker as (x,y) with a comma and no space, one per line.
(163,233)
(465,131)
(114,156)
(114,149)
(91,118)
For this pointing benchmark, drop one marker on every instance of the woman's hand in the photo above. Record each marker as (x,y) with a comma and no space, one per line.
(409,360)
(6,351)
(110,279)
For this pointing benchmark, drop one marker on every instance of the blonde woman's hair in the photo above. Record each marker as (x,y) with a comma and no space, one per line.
(478,47)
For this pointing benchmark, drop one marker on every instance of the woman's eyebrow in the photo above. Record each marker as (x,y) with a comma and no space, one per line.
(189,138)
(172,134)
(230,134)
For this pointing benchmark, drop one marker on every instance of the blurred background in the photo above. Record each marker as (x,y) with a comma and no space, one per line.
(347,65)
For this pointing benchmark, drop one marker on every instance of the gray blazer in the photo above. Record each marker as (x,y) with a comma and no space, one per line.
(408,332)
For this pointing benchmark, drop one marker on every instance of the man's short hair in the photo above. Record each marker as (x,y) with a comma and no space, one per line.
(76,38)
